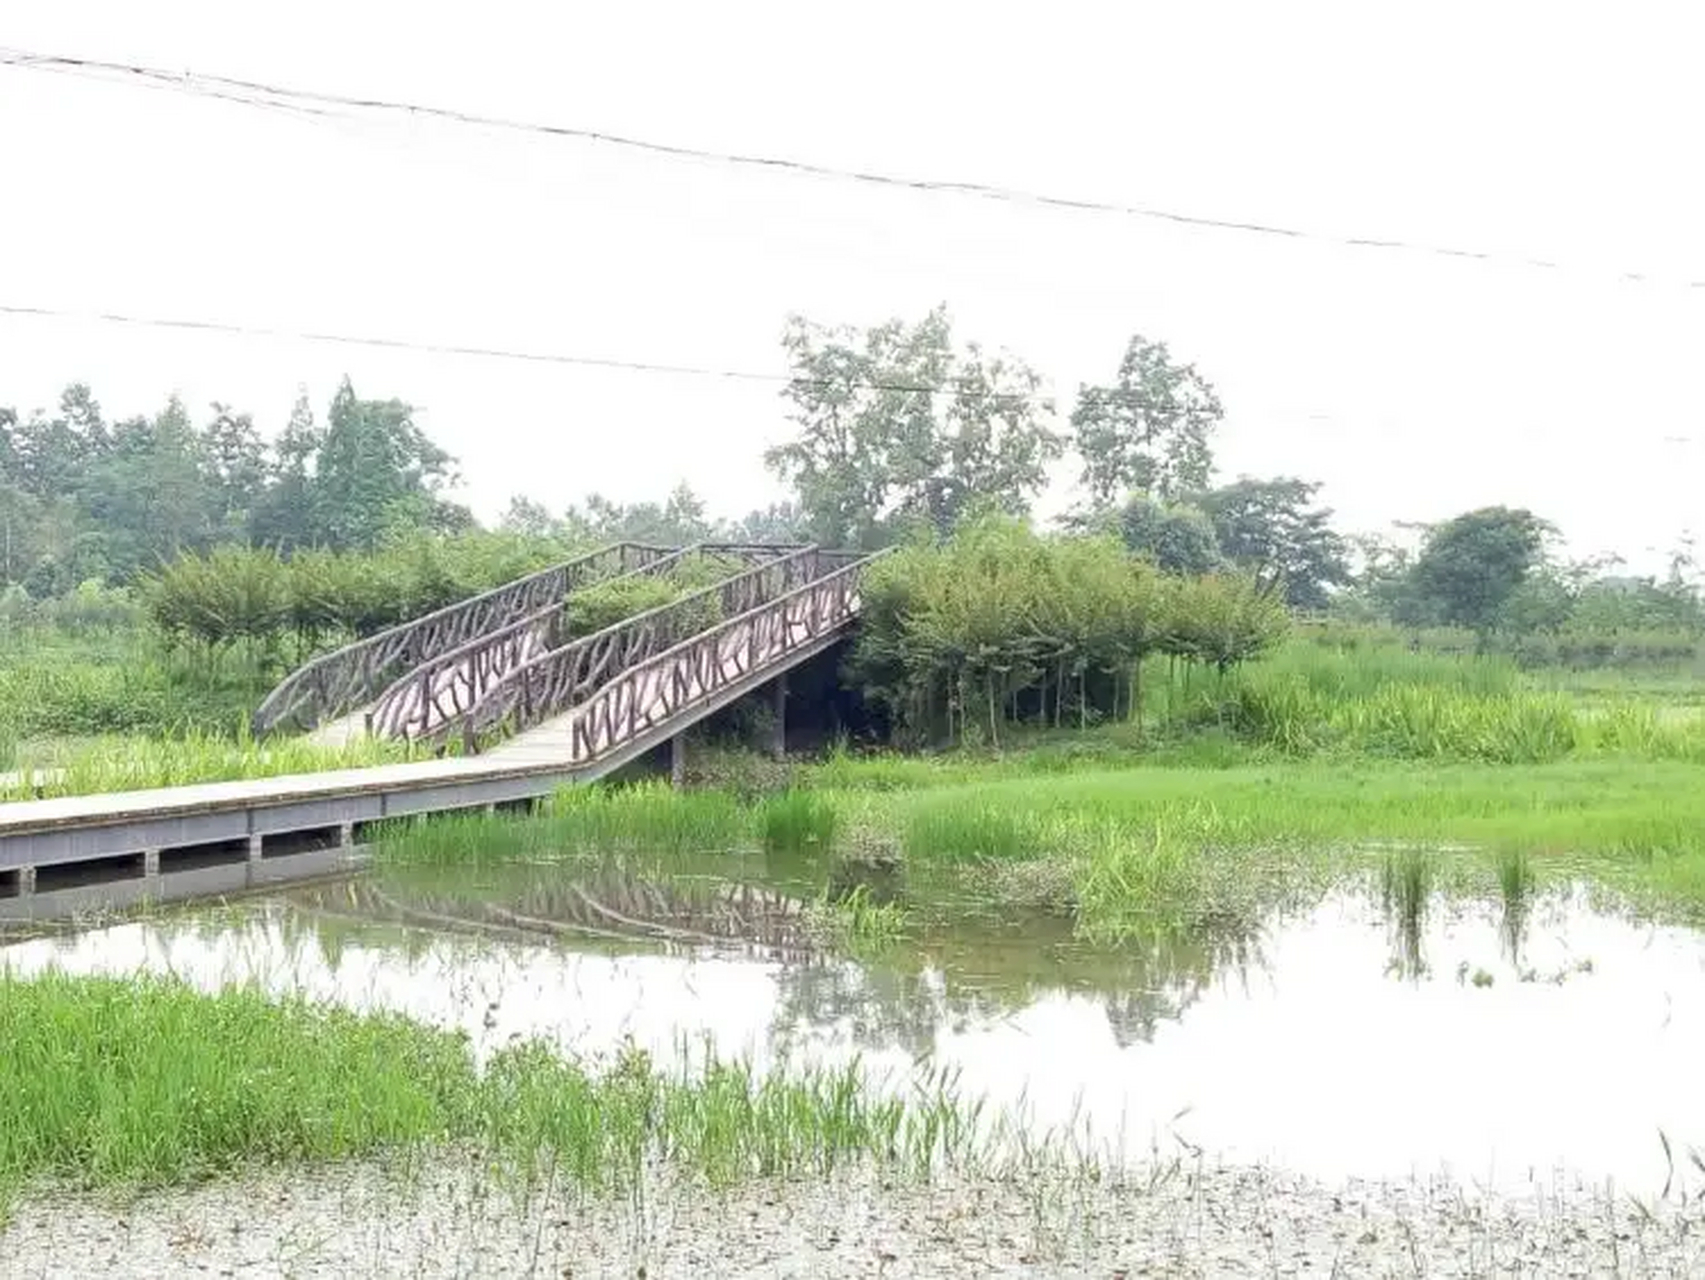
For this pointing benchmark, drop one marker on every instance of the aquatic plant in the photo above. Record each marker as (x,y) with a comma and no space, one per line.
(113,1083)
(796,822)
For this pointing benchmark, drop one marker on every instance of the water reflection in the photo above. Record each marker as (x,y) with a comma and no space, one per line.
(1568,1048)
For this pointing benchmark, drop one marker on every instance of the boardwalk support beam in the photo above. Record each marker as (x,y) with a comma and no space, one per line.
(778,726)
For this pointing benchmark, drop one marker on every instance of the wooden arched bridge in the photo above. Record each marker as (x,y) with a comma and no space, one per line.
(528,706)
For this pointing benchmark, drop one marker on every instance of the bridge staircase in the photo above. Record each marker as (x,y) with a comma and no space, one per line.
(500,675)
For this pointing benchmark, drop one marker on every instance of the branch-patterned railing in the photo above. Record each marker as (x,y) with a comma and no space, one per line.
(549,685)
(418,703)
(649,693)
(337,683)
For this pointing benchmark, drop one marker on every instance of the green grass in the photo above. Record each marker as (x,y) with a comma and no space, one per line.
(796,822)
(56,685)
(1141,844)
(137,764)
(647,817)
(855,922)
(130,1084)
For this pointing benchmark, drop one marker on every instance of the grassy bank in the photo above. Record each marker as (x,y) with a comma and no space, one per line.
(138,764)
(115,1084)
(1135,844)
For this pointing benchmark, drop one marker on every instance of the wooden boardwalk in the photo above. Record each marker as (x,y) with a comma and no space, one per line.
(221,837)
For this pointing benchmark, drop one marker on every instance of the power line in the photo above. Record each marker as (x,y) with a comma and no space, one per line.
(260,93)
(947,387)
(950,386)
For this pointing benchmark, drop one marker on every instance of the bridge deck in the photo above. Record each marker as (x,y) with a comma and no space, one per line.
(218,837)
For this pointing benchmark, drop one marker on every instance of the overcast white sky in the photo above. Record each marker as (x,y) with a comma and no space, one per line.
(1413,386)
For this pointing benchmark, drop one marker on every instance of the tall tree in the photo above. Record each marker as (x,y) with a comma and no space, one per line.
(374,469)
(1471,565)
(896,426)
(1150,430)
(677,521)
(284,515)
(1271,529)
(237,469)
(1176,537)
(52,455)
(151,494)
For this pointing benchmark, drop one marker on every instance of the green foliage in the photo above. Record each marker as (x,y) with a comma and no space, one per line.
(1267,528)
(1470,566)
(997,624)
(146,1082)
(796,822)
(144,763)
(643,818)
(251,595)
(1177,537)
(84,499)
(898,427)
(1150,431)
(54,685)
(604,604)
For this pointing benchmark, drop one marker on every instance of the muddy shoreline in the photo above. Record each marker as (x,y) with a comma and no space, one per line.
(450,1219)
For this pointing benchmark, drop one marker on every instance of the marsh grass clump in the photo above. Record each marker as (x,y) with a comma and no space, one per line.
(796,822)
(129,1084)
(1406,887)
(1406,884)
(971,826)
(647,817)
(857,920)
(1516,886)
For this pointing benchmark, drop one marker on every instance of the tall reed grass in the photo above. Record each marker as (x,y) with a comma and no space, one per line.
(129,1084)
(649,817)
(139,764)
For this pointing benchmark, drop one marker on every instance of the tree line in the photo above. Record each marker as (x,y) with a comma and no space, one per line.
(901,431)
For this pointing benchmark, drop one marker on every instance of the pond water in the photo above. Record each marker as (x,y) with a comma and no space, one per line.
(1329,1039)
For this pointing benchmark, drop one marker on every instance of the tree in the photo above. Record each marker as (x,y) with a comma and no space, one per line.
(1471,565)
(778,522)
(237,469)
(1268,528)
(52,455)
(1177,538)
(284,515)
(374,469)
(1149,431)
(896,426)
(150,492)
(677,521)
(528,518)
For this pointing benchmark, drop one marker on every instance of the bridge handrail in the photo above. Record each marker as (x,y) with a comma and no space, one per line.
(412,704)
(550,684)
(335,683)
(649,692)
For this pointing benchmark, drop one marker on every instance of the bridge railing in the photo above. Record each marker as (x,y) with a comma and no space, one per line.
(649,693)
(338,682)
(550,684)
(418,703)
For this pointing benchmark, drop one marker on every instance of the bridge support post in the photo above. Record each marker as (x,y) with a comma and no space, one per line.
(678,760)
(26,882)
(151,871)
(778,726)
(254,859)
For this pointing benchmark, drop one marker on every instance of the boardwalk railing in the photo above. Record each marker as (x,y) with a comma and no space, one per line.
(420,702)
(339,682)
(549,685)
(732,654)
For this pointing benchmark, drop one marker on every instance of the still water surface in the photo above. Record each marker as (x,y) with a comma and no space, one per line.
(1326,1042)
